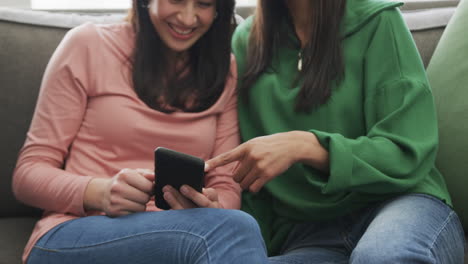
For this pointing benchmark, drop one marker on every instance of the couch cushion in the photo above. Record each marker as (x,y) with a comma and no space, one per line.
(15,233)
(448,75)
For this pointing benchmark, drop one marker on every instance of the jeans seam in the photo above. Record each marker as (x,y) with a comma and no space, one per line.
(55,230)
(436,236)
(124,238)
(46,249)
(347,242)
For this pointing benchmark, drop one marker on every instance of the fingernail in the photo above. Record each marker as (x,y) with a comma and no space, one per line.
(207,167)
(184,189)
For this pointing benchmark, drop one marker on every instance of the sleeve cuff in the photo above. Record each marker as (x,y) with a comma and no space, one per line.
(77,206)
(341,161)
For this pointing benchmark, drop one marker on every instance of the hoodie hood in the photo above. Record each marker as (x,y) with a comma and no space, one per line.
(359,12)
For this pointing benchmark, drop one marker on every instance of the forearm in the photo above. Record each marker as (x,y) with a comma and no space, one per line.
(44,186)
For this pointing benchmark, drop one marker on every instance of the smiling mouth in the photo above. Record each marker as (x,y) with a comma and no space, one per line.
(180,31)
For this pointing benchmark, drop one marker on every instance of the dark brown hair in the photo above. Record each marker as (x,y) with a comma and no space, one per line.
(322,57)
(194,88)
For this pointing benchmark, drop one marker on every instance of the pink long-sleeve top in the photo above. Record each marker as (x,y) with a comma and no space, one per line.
(89,123)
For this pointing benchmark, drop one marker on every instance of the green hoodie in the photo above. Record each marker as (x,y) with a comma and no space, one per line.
(379,125)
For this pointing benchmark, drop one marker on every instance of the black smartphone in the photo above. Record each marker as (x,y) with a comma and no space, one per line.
(176,169)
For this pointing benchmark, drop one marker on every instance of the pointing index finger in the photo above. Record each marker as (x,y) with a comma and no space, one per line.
(225,158)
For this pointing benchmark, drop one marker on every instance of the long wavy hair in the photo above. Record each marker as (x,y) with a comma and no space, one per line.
(199,84)
(322,59)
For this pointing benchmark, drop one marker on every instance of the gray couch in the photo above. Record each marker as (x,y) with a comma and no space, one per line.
(27,40)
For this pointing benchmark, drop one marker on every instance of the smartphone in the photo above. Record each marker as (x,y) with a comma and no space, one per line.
(176,169)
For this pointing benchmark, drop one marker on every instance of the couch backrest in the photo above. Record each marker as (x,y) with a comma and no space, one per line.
(24,53)
(28,39)
(427,26)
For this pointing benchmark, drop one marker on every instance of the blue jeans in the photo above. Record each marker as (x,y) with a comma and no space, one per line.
(413,228)
(175,236)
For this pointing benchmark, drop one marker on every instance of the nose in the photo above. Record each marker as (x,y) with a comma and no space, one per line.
(188,15)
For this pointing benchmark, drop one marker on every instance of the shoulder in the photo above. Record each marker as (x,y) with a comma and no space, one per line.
(75,47)
(78,42)
(392,15)
(91,37)
(245,26)
(361,14)
(240,40)
(82,35)
(389,21)
(242,32)
(88,51)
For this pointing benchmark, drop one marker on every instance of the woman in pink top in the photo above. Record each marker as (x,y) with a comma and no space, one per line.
(110,95)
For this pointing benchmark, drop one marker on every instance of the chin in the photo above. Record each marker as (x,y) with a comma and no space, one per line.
(181,48)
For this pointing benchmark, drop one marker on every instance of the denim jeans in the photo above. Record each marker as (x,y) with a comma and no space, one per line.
(413,228)
(174,236)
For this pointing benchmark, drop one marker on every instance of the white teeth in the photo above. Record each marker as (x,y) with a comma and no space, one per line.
(182,32)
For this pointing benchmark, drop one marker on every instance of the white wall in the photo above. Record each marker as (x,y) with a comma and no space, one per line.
(16,3)
(27,3)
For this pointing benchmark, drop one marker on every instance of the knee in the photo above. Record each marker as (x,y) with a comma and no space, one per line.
(389,252)
(365,252)
(239,222)
(236,236)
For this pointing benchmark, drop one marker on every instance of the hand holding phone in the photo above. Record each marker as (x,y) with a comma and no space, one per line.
(176,169)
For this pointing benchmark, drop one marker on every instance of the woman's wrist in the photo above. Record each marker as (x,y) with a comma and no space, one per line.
(308,150)
(94,194)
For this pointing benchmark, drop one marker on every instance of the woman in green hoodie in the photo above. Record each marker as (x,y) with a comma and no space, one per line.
(340,136)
